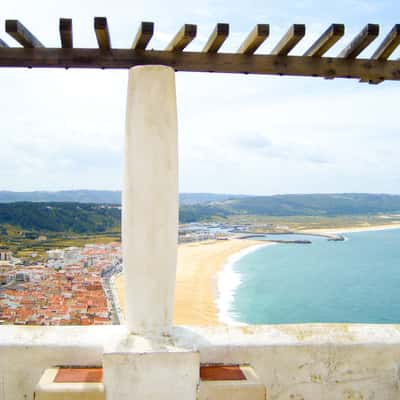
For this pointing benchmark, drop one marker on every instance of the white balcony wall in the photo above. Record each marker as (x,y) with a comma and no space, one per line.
(293,361)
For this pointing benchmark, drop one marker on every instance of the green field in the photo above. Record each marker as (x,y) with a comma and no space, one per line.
(314,222)
(23,243)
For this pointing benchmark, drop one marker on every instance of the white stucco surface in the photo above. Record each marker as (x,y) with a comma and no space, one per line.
(293,361)
(166,375)
(150,199)
(26,352)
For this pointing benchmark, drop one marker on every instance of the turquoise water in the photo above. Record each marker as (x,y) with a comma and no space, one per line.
(357,280)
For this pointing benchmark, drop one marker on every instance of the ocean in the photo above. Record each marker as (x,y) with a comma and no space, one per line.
(354,281)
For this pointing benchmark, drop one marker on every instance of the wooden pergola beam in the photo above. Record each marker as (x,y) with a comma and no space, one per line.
(3,43)
(254,40)
(102,33)
(143,36)
(66,33)
(18,31)
(389,44)
(369,33)
(295,33)
(185,35)
(365,69)
(217,38)
(326,41)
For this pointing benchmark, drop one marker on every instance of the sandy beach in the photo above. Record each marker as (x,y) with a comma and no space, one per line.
(197,272)
(196,281)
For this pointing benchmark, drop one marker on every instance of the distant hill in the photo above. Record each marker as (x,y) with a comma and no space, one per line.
(81,217)
(295,205)
(75,196)
(317,204)
(202,198)
(101,197)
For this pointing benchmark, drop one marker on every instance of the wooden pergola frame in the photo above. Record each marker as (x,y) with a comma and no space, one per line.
(376,69)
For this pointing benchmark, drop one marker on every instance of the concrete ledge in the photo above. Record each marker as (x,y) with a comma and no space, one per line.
(194,337)
(151,376)
(311,361)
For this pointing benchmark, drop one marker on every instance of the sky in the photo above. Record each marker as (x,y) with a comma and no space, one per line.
(237,134)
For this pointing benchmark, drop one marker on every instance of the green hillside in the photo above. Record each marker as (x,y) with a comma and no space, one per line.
(295,205)
(61,217)
(97,218)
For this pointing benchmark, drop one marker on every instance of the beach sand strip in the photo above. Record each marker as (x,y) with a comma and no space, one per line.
(196,280)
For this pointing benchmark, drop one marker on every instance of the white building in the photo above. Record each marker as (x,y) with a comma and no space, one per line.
(72,255)
(55,254)
(5,255)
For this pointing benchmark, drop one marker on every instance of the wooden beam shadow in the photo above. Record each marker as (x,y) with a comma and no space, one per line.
(22,35)
(255,39)
(102,33)
(65,28)
(295,33)
(143,36)
(388,45)
(217,38)
(326,41)
(369,33)
(185,35)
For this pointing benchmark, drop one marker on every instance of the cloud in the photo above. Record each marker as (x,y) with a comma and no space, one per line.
(249,134)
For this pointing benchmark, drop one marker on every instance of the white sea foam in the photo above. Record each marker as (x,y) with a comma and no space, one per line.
(228,283)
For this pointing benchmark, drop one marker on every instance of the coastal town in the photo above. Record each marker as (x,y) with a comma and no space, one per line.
(71,288)
(76,285)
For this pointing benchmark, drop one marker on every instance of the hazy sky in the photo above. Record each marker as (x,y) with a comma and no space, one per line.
(238,134)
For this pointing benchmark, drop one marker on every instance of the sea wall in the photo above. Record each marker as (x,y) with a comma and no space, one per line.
(293,361)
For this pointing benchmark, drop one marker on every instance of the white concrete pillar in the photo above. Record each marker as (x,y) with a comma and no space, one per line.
(150,199)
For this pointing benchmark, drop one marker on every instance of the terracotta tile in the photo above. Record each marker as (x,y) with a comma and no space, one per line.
(221,373)
(79,375)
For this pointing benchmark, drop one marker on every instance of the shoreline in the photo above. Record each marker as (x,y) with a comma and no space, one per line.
(227,283)
(196,294)
(206,283)
(225,295)
(197,283)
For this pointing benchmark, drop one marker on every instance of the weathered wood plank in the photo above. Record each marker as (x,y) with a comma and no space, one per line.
(143,36)
(18,31)
(289,41)
(102,33)
(254,40)
(66,33)
(185,35)
(3,43)
(326,41)
(369,33)
(389,44)
(217,38)
(366,69)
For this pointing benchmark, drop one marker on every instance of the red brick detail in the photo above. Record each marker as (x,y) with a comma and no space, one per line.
(79,375)
(221,373)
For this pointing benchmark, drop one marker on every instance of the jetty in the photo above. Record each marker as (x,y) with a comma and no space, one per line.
(329,237)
